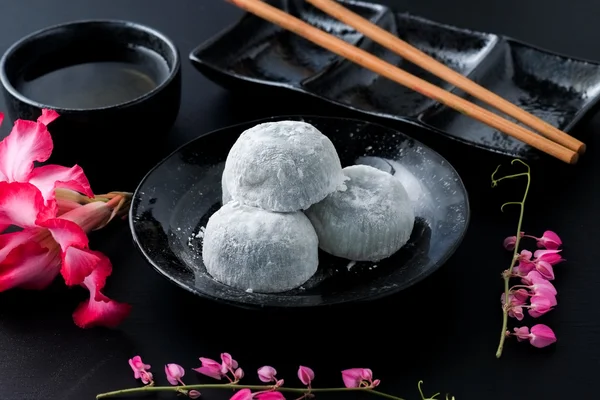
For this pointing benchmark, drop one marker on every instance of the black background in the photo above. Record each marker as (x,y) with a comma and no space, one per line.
(444,330)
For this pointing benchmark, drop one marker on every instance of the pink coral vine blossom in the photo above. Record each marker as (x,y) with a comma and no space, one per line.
(359,377)
(539,336)
(306,375)
(174,373)
(210,368)
(536,294)
(140,370)
(267,374)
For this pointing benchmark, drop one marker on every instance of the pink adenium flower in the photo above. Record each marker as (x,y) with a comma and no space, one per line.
(244,394)
(306,375)
(357,377)
(46,246)
(174,373)
(540,335)
(140,370)
(267,374)
(30,142)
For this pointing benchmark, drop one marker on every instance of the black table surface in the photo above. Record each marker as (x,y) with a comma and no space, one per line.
(443,331)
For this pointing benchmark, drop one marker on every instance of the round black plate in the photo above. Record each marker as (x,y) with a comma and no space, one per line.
(176,198)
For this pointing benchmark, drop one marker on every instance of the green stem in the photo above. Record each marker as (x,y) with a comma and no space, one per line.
(145,389)
(507,276)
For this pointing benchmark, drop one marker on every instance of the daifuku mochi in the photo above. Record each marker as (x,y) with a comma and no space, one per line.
(253,249)
(369,221)
(282,166)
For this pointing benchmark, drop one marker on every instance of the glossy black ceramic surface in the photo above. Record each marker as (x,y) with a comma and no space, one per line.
(174,201)
(103,140)
(559,89)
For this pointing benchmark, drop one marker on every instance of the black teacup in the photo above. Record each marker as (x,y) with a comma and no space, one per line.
(115,84)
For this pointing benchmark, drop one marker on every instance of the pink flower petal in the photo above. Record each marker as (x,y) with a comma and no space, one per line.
(137,364)
(174,373)
(28,142)
(146,377)
(522,333)
(550,256)
(238,374)
(50,177)
(266,373)
(306,375)
(99,310)
(211,373)
(509,243)
(47,116)
(244,394)
(29,266)
(352,377)
(194,394)
(22,204)
(545,269)
(542,336)
(66,233)
(228,362)
(544,287)
(550,240)
(210,368)
(77,264)
(89,216)
(532,277)
(516,312)
(65,206)
(270,396)
(540,305)
(9,241)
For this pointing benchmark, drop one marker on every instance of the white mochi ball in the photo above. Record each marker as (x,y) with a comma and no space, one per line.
(369,221)
(249,248)
(282,166)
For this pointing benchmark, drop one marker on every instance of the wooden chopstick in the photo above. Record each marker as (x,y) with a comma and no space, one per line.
(417,57)
(390,71)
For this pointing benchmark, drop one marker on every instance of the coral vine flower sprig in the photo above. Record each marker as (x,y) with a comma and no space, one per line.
(536,294)
(46,213)
(354,379)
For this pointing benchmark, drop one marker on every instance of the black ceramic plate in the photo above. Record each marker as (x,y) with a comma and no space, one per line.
(558,89)
(177,197)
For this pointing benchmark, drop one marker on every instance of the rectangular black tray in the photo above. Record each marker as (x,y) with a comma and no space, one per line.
(559,89)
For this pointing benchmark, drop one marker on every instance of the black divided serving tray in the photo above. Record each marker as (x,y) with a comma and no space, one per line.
(561,90)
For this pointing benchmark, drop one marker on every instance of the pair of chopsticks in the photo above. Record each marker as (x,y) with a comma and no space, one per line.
(553,142)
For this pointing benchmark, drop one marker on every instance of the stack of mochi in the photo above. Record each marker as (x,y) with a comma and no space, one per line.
(285,195)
